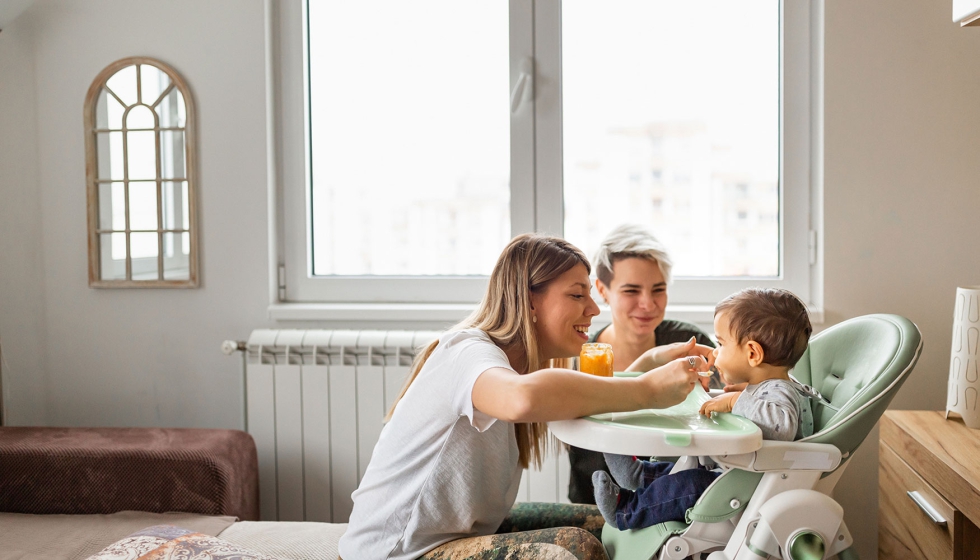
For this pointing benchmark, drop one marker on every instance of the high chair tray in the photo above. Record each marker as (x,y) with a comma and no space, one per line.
(678,430)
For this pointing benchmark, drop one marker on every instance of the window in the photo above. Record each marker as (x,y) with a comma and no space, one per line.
(140,170)
(412,153)
(410,162)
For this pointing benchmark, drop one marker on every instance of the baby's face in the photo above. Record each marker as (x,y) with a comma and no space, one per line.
(731,358)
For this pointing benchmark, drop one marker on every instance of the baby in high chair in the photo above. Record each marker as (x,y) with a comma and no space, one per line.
(761,335)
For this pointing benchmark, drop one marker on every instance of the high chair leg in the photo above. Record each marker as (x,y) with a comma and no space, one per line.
(773,484)
(684,463)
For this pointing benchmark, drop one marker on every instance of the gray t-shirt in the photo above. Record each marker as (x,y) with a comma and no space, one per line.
(779,407)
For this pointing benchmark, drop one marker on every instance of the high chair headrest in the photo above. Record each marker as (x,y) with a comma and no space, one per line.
(857,366)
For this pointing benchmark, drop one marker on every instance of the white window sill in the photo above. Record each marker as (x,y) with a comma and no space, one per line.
(452,312)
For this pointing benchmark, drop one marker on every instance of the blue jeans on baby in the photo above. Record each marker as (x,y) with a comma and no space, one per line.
(662,497)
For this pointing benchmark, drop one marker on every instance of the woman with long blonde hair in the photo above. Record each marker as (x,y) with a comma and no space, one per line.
(472,414)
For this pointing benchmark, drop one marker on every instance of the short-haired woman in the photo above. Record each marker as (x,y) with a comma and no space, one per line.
(632,274)
(472,414)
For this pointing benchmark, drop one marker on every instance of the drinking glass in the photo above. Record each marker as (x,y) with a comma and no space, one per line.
(596,358)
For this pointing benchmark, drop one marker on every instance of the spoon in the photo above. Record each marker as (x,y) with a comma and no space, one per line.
(694,361)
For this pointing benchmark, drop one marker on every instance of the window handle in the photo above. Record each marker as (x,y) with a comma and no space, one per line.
(927,508)
(523,89)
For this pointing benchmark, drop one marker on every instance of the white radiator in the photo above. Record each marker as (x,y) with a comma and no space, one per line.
(315,405)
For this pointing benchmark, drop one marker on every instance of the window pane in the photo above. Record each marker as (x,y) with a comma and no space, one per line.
(108,111)
(113,256)
(140,116)
(172,154)
(175,205)
(153,82)
(410,136)
(123,84)
(142,246)
(171,110)
(671,120)
(109,149)
(112,207)
(141,155)
(142,206)
(175,262)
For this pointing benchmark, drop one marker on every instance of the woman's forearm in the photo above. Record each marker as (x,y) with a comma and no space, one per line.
(560,394)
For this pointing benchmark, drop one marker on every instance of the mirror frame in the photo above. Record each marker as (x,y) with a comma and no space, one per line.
(95,279)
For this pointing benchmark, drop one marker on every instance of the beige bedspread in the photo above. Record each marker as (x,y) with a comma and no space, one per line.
(75,537)
(288,540)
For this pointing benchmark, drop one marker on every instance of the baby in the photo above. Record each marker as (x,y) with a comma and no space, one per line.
(761,335)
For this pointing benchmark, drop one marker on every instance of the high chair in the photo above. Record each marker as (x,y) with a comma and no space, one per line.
(776,501)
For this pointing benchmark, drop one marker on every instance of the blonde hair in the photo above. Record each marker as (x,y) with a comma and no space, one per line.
(527,265)
(630,241)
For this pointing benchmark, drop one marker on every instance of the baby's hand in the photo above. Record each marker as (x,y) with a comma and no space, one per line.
(722,403)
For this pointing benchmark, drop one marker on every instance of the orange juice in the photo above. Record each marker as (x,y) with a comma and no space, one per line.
(596,358)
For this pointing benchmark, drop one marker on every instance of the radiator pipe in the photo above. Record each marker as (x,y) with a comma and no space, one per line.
(228,348)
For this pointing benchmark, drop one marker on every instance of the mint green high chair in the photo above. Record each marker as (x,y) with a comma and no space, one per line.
(776,501)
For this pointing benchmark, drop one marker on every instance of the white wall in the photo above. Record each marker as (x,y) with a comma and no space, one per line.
(24,376)
(902,186)
(132,357)
(902,176)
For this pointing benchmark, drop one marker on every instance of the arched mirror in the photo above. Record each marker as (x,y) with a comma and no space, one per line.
(140,167)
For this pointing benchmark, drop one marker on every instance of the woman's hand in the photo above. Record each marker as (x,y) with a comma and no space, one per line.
(560,394)
(722,403)
(670,384)
(661,355)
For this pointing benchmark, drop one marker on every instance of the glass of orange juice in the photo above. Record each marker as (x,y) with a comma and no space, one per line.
(596,358)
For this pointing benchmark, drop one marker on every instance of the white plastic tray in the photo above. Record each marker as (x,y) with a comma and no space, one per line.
(675,431)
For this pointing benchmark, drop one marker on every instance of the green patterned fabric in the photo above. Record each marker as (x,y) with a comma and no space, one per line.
(528,516)
(560,543)
(534,531)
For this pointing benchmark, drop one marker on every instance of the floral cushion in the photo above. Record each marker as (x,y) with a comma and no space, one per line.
(166,542)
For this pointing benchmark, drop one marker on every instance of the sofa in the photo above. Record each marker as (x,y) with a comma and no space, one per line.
(68,493)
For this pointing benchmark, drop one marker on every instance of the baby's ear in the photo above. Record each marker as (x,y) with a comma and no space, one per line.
(755,353)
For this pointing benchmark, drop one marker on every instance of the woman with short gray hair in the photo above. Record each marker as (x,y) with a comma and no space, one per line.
(633,270)
(630,240)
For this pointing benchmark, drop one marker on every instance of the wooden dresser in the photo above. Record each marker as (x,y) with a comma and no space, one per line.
(938,462)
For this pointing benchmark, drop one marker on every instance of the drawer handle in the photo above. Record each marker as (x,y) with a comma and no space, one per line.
(927,508)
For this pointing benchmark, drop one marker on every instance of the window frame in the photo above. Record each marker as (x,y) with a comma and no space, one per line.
(132,266)
(536,176)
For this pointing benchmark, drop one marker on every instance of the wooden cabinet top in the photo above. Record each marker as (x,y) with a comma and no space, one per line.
(944,452)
